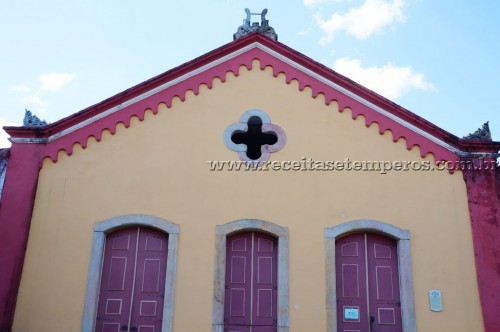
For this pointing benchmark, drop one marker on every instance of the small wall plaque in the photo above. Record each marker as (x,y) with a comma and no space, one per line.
(351,314)
(435,300)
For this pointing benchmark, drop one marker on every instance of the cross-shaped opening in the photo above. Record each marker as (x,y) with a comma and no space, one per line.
(254,138)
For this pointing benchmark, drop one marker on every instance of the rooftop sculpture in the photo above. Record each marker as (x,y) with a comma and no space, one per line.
(31,120)
(482,134)
(249,27)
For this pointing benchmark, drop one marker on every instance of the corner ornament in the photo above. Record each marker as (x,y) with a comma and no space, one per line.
(254,137)
(482,134)
(31,120)
(249,27)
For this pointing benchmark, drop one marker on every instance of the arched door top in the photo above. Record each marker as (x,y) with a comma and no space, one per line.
(112,224)
(252,224)
(365,225)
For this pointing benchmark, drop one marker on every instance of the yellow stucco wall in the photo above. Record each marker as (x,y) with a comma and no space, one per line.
(159,167)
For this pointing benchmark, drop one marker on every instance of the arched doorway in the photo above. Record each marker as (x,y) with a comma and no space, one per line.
(405,275)
(101,230)
(251,286)
(132,289)
(225,231)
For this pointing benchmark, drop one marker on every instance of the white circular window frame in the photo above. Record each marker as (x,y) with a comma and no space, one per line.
(267,127)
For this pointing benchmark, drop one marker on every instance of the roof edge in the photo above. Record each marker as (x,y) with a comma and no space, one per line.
(42,133)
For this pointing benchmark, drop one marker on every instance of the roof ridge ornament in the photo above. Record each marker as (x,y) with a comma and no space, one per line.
(482,134)
(249,27)
(31,120)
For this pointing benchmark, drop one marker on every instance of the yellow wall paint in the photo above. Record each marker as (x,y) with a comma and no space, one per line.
(159,167)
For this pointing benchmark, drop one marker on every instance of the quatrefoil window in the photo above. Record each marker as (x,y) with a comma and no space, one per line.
(254,137)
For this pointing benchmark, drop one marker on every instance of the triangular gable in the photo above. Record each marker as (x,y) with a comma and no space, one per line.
(77,128)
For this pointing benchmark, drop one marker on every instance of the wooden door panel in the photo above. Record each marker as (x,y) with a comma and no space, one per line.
(351,281)
(149,291)
(350,263)
(264,303)
(251,283)
(265,286)
(147,328)
(383,283)
(237,328)
(237,297)
(233,328)
(264,329)
(116,280)
(133,280)
(110,327)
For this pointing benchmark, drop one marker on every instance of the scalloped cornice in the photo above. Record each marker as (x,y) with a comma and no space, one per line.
(62,135)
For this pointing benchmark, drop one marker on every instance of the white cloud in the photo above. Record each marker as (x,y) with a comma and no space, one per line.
(33,100)
(314,2)
(19,88)
(389,80)
(55,81)
(362,22)
(4,142)
(303,32)
(311,3)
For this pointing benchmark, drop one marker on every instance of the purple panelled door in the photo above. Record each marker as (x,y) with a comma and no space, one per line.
(367,284)
(383,283)
(117,280)
(238,287)
(251,291)
(351,283)
(133,281)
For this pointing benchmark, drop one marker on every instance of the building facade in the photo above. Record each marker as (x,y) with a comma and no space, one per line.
(347,212)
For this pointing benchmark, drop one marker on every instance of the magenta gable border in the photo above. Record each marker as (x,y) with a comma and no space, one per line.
(220,71)
(138,108)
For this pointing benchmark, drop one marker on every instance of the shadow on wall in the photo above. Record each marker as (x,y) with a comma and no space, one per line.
(4,158)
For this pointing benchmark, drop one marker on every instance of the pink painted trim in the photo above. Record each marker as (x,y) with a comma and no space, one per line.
(15,217)
(138,109)
(483,191)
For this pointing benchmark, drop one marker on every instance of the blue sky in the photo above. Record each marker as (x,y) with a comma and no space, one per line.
(439,59)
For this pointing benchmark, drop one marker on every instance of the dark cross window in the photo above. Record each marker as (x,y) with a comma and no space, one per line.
(254,138)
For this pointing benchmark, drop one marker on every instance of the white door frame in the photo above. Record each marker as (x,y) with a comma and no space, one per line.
(101,229)
(404,264)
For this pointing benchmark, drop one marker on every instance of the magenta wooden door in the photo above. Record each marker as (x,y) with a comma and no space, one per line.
(383,283)
(251,290)
(133,281)
(113,309)
(368,298)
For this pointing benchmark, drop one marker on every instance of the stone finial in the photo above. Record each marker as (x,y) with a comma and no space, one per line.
(482,134)
(249,27)
(31,120)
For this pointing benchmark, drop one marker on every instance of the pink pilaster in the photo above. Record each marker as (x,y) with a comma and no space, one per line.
(483,189)
(16,208)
